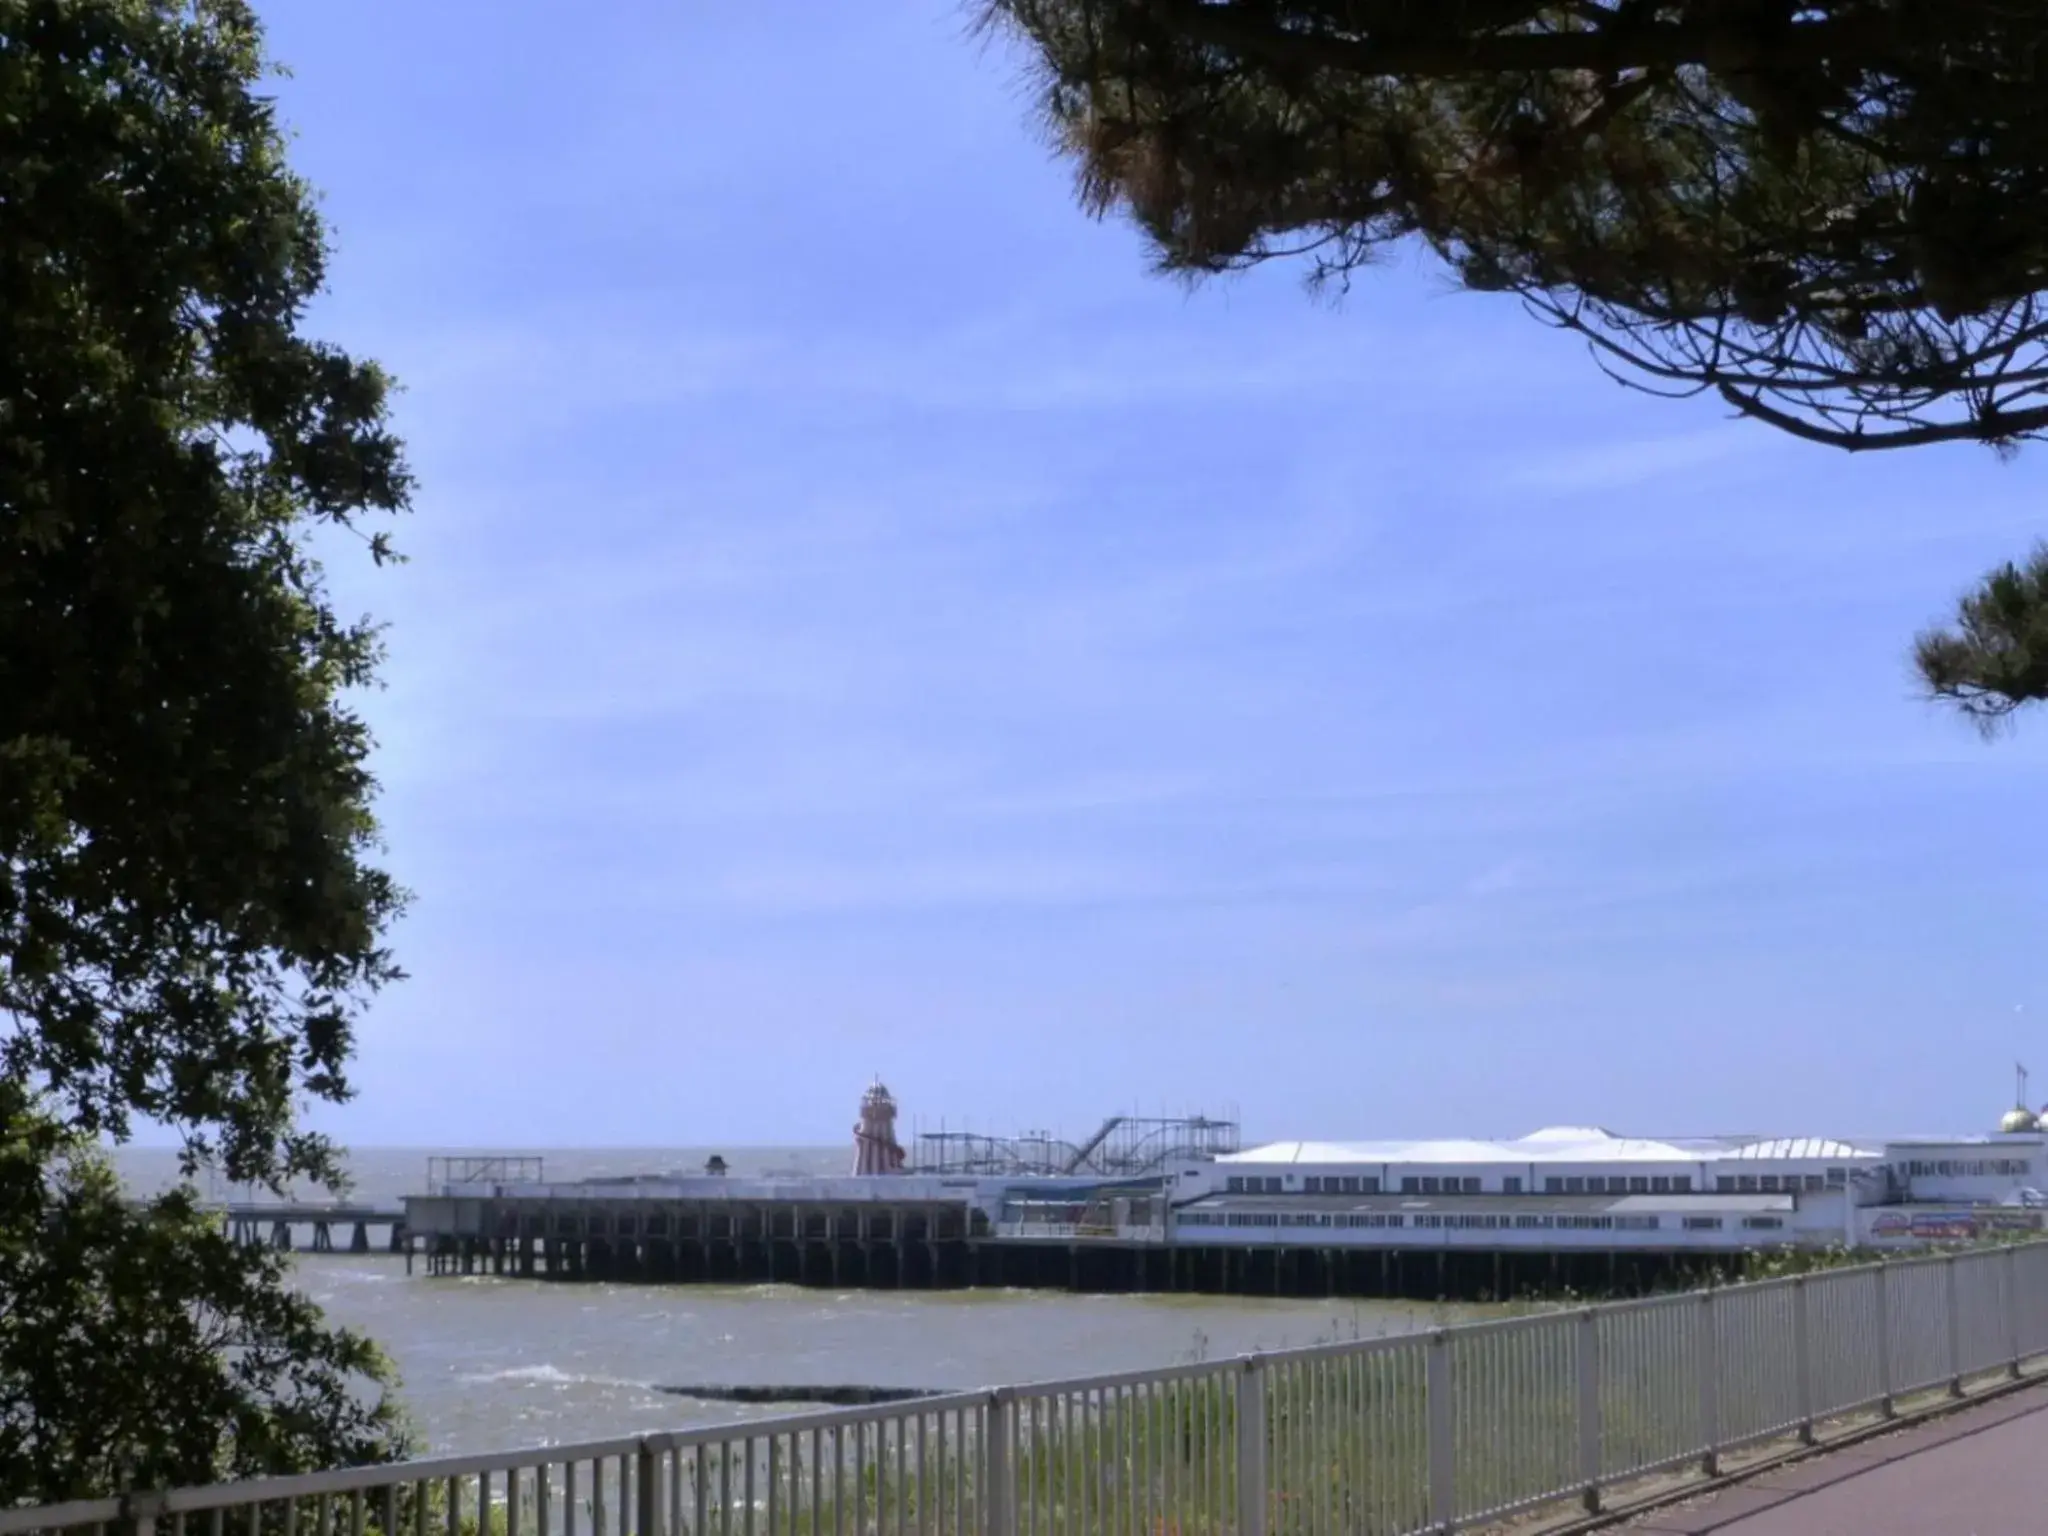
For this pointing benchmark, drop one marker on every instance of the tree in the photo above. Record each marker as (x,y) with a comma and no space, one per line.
(1833,214)
(190,918)
(1996,658)
(142,1347)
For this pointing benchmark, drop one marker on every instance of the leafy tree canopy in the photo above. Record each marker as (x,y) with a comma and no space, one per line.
(190,919)
(141,1348)
(1831,213)
(187,919)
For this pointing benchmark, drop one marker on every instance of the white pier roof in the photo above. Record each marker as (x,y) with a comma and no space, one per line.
(1555,1144)
(1781,1148)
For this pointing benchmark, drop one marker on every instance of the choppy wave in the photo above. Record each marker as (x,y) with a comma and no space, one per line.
(548,1376)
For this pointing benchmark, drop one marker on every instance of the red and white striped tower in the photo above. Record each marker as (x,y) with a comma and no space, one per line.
(874,1139)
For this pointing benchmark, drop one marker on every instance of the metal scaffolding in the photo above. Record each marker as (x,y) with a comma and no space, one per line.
(1123,1146)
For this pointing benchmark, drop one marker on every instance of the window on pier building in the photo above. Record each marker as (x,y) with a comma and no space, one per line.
(1234,1186)
(1768,1183)
(1762,1223)
(1962,1168)
(1702,1223)
(1724,1184)
(1838,1178)
(1660,1185)
(1511,1185)
(1575,1186)
(1311,1185)
(1745,1183)
(1410,1185)
(1273,1186)
(1639,1185)
(1431,1185)
(1815,1183)
(1553,1186)
(1681,1183)
(1469,1187)
(1371,1185)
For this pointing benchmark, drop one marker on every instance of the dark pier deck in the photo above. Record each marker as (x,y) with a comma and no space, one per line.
(946,1244)
(278,1223)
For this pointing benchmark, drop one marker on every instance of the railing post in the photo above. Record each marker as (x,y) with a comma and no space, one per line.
(2011,1278)
(1953,1307)
(646,1506)
(1707,1361)
(1802,1353)
(1885,1404)
(1588,1356)
(1443,1422)
(998,1503)
(139,1512)
(1251,1448)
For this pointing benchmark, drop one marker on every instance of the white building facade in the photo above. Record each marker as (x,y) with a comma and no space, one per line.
(1580,1187)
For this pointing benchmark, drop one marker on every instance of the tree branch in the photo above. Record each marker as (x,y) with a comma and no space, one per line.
(1618,46)
(2018,424)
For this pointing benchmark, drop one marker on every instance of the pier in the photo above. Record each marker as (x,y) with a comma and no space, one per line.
(796,1233)
(1174,1206)
(274,1224)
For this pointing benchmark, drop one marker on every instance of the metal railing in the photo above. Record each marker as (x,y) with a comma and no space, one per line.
(486,1168)
(1079,1231)
(1428,1432)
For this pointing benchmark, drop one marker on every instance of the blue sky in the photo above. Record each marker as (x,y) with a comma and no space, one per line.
(859,621)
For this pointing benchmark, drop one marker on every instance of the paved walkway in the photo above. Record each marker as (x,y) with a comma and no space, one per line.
(1978,1472)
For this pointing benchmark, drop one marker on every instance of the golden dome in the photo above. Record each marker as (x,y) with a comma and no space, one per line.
(2017,1122)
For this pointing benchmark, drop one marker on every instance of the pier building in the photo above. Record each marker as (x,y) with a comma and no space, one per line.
(1190,1210)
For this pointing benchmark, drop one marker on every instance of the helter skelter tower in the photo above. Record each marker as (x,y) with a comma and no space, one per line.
(874,1139)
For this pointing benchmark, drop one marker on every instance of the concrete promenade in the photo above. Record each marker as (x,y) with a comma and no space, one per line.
(1979,1472)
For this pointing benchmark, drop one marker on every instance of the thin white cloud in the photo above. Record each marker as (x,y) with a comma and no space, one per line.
(1621,465)
(590,358)
(1015,881)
